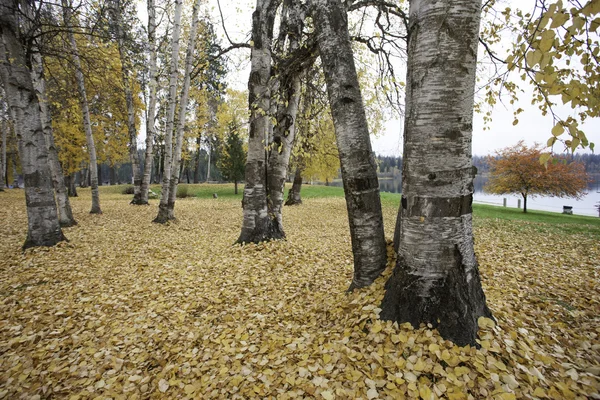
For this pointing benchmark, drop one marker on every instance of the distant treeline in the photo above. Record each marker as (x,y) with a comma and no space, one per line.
(590,161)
(389,166)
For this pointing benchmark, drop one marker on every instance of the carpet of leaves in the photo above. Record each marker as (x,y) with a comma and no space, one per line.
(131,309)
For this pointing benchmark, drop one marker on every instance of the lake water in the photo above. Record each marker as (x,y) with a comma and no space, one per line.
(583,206)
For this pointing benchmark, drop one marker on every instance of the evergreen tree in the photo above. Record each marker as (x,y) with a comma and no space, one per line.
(232,162)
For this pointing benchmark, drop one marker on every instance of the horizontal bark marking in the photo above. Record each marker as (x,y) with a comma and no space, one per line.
(361,184)
(436,207)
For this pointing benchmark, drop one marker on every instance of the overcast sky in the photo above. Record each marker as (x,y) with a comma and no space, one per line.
(532,127)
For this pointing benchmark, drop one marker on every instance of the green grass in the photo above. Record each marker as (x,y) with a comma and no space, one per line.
(544,220)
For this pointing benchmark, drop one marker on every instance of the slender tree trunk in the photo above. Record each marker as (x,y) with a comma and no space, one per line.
(182,110)
(163,208)
(359,172)
(43,225)
(255,226)
(235,187)
(84,109)
(197,163)
(294,193)
(3,156)
(71,187)
(151,113)
(65,214)
(436,279)
(127,88)
(208,166)
(284,132)
(524,203)
(15,173)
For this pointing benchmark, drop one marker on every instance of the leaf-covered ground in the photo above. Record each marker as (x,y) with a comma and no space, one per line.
(131,309)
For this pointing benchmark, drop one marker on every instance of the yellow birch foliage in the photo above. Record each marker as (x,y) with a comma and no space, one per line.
(557,50)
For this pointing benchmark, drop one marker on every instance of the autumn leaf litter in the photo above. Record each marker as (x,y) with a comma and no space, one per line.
(131,309)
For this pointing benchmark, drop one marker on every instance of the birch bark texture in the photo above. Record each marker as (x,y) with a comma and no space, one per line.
(183,102)
(436,279)
(287,104)
(359,172)
(163,207)
(294,198)
(43,228)
(256,226)
(151,112)
(128,91)
(4,127)
(85,109)
(65,213)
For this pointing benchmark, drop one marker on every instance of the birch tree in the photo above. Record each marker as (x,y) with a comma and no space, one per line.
(359,172)
(436,279)
(126,68)
(183,102)
(163,207)
(151,111)
(4,127)
(43,227)
(87,126)
(256,226)
(65,214)
(287,103)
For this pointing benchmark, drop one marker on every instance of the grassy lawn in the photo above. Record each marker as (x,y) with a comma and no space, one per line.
(543,219)
(130,309)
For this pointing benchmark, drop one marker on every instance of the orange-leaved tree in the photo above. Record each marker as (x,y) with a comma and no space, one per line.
(518,170)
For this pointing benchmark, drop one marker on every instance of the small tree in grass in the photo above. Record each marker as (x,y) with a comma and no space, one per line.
(518,170)
(232,162)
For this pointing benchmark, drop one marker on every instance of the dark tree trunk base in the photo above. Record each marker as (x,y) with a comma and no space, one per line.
(292,202)
(48,240)
(451,304)
(265,234)
(137,200)
(67,224)
(163,215)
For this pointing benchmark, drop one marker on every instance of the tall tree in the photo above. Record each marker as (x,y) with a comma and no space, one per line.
(4,127)
(43,225)
(163,207)
(517,169)
(118,10)
(436,279)
(65,214)
(288,74)
(256,226)
(359,175)
(183,102)
(233,157)
(85,110)
(151,110)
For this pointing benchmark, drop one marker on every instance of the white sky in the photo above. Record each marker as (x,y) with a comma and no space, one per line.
(532,127)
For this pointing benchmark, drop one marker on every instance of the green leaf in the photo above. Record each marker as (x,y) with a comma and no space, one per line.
(558,130)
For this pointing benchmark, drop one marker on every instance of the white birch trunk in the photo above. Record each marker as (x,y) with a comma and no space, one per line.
(42,216)
(65,214)
(182,110)
(127,88)
(208,166)
(85,110)
(163,209)
(359,172)
(255,226)
(284,133)
(436,279)
(151,112)
(3,156)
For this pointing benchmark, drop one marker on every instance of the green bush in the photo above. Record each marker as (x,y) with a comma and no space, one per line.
(182,192)
(127,190)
